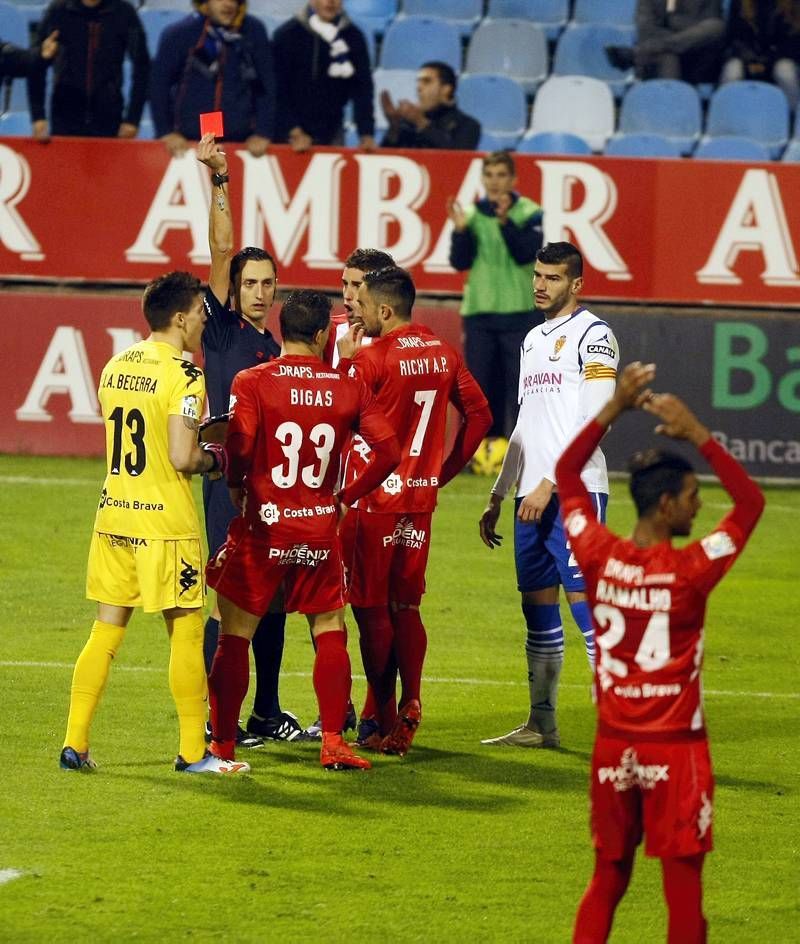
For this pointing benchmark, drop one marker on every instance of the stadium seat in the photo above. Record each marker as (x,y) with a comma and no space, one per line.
(792,152)
(170,5)
(581,51)
(732,148)
(642,145)
(464,14)
(498,103)
(399,83)
(553,142)
(18,100)
(155,22)
(665,107)
(754,110)
(410,41)
(617,12)
(489,141)
(514,48)
(377,14)
(15,124)
(551,15)
(14,27)
(576,104)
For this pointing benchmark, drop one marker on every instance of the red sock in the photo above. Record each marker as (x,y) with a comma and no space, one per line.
(605,891)
(376,634)
(227,686)
(683,889)
(332,680)
(410,646)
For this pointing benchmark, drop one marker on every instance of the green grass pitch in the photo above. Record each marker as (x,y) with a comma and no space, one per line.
(455,842)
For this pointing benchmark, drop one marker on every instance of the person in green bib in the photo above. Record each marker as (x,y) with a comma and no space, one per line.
(496,240)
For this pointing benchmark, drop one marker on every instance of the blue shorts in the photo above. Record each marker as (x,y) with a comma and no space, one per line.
(220,511)
(542,554)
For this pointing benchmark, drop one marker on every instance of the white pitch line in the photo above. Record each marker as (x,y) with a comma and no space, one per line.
(8,875)
(36,480)
(434,680)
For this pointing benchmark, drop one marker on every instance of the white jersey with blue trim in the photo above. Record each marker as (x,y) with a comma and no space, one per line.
(568,369)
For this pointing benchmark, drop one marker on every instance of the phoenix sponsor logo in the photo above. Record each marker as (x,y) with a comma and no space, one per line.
(559,344)
(393,485)
(122,540)
(188,576)
(300,554)
(405,535)
(630,773)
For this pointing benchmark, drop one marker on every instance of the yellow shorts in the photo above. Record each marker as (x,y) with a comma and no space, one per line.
(154,574)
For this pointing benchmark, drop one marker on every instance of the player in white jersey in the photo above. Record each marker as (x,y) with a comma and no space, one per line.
(567,374)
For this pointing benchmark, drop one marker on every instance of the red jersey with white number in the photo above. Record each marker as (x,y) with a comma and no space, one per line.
(289,421)
(649,603)
(414,375)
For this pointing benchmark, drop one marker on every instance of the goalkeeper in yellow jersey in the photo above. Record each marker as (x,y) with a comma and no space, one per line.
(146,548)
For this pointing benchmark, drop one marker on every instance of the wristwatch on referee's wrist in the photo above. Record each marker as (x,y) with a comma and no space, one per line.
(219,179)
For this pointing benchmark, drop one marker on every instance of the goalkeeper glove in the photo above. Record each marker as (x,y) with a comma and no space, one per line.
(219,457)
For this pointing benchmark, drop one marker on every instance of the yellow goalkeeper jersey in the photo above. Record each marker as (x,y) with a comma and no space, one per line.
(144,495)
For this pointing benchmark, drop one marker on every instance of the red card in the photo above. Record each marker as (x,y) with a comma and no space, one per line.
(211,123)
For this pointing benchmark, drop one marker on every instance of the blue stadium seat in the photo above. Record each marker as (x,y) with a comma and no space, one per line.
(732,148)
(410,41)
(576,104)
(514,48)
(665,107)
(15,124)
(377,14)
(490,141)
(552,142)
(399,83)
(617,12)
(551,15)
(498,103)
(14,27)
(31,13)
(147,130)
(465,14)
(792,152)
(170,5)
(755,110)
(19,96)
(156,21)
(642,145)
(581,51)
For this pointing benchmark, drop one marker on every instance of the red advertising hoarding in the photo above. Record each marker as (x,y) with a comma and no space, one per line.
(680,231)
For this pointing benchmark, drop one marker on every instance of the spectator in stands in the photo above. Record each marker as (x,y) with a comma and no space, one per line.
(677,39)
(496,239)
(321,63)
(434,122)
(765,44)
(217,59)
(94,37)
(16,63)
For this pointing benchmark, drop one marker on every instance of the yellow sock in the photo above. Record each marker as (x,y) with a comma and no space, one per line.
(188,684)
(89,681)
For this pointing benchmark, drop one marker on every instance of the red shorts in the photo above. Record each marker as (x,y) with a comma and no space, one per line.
(248,570)
(662,790)
(390,554)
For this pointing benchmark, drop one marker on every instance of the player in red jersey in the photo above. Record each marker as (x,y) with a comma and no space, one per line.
(651,769)
(290,419)
(414,375)
(355,265)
